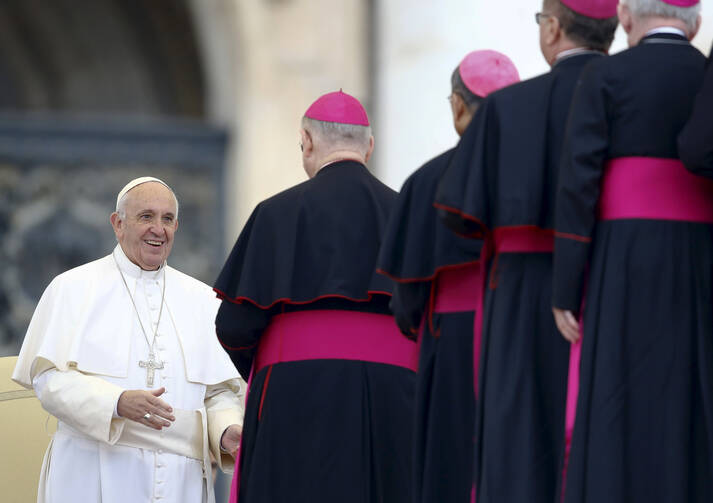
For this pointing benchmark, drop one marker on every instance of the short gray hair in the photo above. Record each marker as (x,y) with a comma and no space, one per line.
(339,135)
(121,206)
(648,8)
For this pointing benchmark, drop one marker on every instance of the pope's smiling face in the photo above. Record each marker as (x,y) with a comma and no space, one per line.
(146,226)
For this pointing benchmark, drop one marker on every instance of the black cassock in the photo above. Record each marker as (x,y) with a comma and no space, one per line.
(421,255)
(500,187)
(644,419)
(317,430)
(695,143)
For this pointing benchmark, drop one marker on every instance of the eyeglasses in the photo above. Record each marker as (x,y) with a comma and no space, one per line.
(539,16)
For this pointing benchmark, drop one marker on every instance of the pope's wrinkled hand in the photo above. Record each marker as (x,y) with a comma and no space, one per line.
(146,408)
(230,441)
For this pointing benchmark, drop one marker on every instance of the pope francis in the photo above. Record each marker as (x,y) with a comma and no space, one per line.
(123,352)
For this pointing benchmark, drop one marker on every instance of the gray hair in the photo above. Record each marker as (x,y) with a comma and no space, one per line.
(649,8)
(121,205)
(337,135)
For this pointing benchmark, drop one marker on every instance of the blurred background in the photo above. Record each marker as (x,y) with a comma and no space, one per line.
(207,95)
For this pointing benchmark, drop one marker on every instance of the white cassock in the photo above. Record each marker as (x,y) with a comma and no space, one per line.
(83,349)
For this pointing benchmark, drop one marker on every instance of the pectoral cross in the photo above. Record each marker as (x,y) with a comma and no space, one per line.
(151,365)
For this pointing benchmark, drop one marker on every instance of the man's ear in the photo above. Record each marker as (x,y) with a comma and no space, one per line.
(553,30)
(459,107)
(371,149)
(306,140)
(625,18)
(116,222)
(692,34)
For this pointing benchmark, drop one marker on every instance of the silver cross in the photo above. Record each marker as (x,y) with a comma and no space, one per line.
(151,365)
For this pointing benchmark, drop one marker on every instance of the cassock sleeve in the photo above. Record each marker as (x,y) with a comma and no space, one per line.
(84,402)
(585,147)
(225,406)
(239,326)
(695,143)
(408,304)
(462,195)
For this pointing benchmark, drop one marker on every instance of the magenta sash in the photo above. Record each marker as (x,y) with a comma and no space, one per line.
(523,239)
(457,288)
(656,189)
(335,334)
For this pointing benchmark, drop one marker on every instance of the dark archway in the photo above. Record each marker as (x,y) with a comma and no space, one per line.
(124,57)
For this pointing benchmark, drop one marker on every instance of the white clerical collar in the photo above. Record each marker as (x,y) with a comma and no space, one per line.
(666,29)
(131,269)
(575,52)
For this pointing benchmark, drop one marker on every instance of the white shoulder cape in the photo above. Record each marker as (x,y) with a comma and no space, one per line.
(84,321)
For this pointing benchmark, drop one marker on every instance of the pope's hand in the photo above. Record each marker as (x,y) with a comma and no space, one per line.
(567,324)
(230,440)
(136,404)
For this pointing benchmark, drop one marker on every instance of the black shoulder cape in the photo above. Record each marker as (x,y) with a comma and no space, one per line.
(417,245)
(316,240)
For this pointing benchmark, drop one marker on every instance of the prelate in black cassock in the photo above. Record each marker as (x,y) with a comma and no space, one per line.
(644,426)
(503,177)
(322,430)
(416,248)
(695,143)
